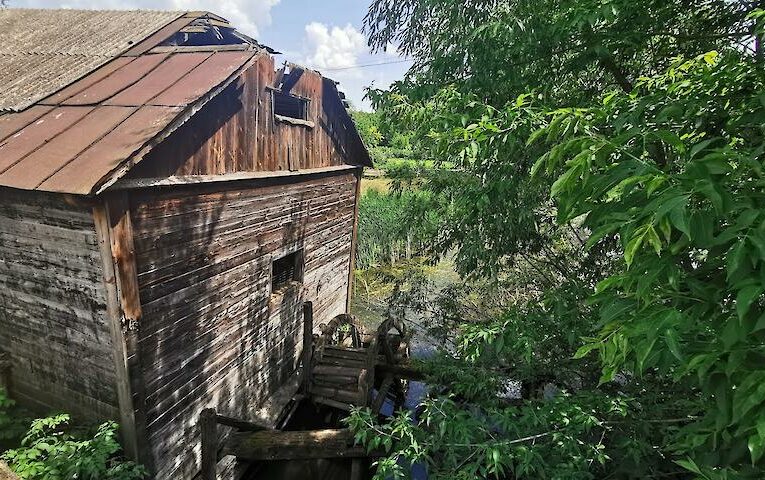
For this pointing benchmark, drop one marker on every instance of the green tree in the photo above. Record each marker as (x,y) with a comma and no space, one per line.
(647,247)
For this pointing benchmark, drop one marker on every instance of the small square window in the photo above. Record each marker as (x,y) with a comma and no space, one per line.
(286,270)
(290,106)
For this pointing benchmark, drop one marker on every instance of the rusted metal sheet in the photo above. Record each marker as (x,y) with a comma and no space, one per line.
(13,122)
(117,81)
(38,133)
(159,79)
(81,175)
(211,73)
(52,156)
(87,81)
(45,50)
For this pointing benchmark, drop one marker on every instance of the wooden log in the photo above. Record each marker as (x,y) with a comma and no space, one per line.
(350,396)
(307,344)
(294,445)
(405,371)
(382,393)
(208,426)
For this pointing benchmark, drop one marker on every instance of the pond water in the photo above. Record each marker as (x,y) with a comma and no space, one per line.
(371,312)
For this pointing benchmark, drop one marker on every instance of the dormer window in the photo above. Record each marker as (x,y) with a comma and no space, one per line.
(290,106)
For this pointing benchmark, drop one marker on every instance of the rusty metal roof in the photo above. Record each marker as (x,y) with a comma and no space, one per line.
(84,137)
(44,50)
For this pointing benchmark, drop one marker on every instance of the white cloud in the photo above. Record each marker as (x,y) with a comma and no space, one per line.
(333,48)
(248,16)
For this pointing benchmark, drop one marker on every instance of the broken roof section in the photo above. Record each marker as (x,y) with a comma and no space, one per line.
(45,50)
(77,138)
(87,121)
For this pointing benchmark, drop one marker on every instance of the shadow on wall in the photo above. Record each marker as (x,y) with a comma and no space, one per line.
(211,334)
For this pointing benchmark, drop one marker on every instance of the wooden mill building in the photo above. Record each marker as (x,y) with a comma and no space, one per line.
(168,200)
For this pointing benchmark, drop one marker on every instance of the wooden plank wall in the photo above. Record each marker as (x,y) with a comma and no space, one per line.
(53,307)
(212,335)
(237,131)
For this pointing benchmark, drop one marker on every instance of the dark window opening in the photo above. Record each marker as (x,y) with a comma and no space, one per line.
(286,270)
(287,105)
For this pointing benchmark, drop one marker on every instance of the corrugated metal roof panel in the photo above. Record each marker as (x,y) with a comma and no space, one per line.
(159,79)
(117,81)
(210,73)
(77,145)
(86,171)
(54,155)
(62,46)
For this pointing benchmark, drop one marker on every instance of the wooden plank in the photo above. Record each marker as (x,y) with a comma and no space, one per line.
(128,432)
(140,183)
(129,302)
(294,445)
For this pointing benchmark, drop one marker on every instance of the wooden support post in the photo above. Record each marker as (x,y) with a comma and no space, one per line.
(115,237)
(208,427)
(307,345)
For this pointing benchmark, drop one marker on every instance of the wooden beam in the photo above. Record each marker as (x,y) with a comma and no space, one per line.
(128,315)
(136,183)
(294,445)
(208,430)
(119,348)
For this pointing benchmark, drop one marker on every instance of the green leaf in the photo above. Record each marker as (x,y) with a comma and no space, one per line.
(745,298)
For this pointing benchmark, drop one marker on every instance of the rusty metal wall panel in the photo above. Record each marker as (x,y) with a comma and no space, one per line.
(44,162)
(44,50)
(117,81)
(159,79)
(84,173)
(211,73)
(32,136)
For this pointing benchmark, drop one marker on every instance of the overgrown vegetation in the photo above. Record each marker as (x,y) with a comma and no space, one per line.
(52,449)
(604,197)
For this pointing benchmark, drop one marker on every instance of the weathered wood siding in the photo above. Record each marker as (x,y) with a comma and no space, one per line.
(237,131)
(212,335)
(53,306)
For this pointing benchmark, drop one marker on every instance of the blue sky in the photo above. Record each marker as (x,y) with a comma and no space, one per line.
(322,34)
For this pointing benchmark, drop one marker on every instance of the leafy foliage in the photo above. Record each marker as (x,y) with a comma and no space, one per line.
(51,450)
(626,224)
(685,200)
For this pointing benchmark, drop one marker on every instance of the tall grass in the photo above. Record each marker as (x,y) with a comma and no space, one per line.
(393,226)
